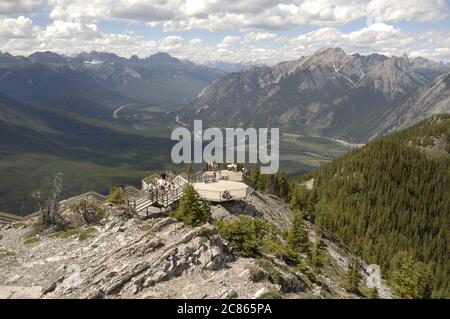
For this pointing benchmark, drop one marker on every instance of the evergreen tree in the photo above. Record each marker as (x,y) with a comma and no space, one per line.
(189,170)
(390,196)
(352,276)
(284,185)
(173,169)
(192,211)
(319,254)
(410,281)
(311,200)
(271,186)
(297,238)
(255,173)
(261,184)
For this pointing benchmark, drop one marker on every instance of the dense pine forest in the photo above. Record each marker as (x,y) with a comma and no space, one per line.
(390,202)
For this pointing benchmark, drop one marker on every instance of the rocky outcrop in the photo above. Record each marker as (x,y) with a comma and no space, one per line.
(120,258)
(432,99)
(126,257)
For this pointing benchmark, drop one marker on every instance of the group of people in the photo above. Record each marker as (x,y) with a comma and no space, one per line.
(164,183)
(214,167)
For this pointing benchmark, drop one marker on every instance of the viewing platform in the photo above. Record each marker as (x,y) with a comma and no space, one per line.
(222,191)
(215,186)
(221,186)
(159,192)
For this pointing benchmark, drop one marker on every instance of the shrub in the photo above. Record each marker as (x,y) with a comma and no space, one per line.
(246,235)
(117,196)
(90,213)
(257,274)
(271,294)
(274,275)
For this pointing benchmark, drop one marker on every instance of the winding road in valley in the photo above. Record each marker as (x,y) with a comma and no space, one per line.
(115,114)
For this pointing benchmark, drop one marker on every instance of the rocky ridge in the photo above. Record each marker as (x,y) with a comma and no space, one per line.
(155,258)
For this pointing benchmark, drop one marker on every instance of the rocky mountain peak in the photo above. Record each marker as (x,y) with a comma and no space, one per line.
(47,57)
(162,57)
(331,57)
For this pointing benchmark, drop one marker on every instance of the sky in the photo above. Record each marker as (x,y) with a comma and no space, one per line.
(266,31)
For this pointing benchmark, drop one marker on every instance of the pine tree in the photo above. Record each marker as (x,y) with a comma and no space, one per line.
(284,185)
(352,276)
(318,254)
(387,197)
(189,170)
(261,184)
(255,173)
(192,211)
(410,281)
(271,186)
(297,238)
(311,200)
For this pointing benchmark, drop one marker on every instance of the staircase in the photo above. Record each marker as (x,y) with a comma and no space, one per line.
(143,199)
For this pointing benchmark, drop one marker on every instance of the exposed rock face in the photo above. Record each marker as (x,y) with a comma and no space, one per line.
(329,92)
(258,205)
(432,99)
(157,258)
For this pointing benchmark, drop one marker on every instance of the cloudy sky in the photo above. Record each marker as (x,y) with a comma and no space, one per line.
(253,30)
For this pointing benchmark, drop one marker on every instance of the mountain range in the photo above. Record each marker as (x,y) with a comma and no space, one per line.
(102,119)
(330,93)
(104,77)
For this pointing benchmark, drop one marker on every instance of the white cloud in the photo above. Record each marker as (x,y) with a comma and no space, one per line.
(196,42)
(20,27)
(259,36)
(407,10)
(70,30)
(75,27)
(18,6)
(216,15)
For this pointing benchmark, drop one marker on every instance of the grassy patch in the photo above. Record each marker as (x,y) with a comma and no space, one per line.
(4,253)
(82,233)
(146,227)
(257,274)
(86,234)
(271,294)
(18,225)
(33,240)
(273,274)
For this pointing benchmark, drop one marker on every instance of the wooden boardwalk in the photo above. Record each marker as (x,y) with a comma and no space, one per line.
(150,200)
(6,218)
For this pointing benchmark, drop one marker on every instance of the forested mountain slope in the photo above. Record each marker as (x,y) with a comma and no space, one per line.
(391,199)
